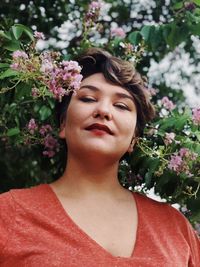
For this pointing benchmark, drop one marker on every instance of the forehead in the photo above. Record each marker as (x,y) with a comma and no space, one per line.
(99,82)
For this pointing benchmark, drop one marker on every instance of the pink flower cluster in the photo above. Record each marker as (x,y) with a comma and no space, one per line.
(119,32)
(196,116)
(50,143)
(189,6)
(152,91)
(168,104)
(169,138)
(51,146)
(45,129)
(32,126)
(93,13)
(19,54)
(60,78)
(128,48)
(35,92)
(39,35)
(179,162)
(19,57)
(64,78)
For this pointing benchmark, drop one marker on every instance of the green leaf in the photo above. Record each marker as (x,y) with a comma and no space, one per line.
(51,103)
(155,37)
(166,30)
(197,135)
(4,65)
(5,35)
(178,5)
(197,2)
(177,35)
(17,31)
(8,73)
(135,37)
(146,31)
(151,164)
(13,131)
(195,29)
(12,46)
(26,30)
(45,112)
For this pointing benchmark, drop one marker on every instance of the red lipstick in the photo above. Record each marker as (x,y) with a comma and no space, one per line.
(100,127)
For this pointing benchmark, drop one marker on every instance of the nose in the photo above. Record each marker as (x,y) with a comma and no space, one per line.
(103,112)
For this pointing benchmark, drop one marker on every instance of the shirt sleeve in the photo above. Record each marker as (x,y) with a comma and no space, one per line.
(7,219)
(194,242)
(191,237)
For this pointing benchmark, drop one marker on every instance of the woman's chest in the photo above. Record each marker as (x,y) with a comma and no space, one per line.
(40,240)
(109,226)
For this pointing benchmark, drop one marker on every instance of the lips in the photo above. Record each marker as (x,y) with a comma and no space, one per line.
(97,126)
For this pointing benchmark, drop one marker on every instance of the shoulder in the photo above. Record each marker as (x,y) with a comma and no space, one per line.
(170,222)
(19,203)
(23,197)
(159,209)
(163,216)
(17,200)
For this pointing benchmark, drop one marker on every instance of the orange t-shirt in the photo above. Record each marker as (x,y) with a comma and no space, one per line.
(35,231)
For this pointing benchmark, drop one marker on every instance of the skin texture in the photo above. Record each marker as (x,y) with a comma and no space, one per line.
(89,189)
(100,102)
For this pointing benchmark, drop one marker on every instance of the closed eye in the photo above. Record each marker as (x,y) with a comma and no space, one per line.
(87,99)
(122,106)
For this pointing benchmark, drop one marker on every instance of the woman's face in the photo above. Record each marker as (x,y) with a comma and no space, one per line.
(101,118)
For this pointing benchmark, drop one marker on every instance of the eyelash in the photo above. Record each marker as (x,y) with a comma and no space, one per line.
(90,100)
(87,99)
(122,106)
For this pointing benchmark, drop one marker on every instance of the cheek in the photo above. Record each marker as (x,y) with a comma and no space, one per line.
(129,126)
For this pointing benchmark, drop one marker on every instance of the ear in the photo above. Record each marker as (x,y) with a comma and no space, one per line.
(132,144)
(62,130)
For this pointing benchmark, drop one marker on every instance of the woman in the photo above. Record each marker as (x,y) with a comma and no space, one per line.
(86,218)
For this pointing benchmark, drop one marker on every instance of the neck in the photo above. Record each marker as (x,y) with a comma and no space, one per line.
(86,177)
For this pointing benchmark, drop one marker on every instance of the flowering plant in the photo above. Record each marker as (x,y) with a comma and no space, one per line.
(167,157)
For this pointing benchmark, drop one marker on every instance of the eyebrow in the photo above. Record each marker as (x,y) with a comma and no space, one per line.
(94,88)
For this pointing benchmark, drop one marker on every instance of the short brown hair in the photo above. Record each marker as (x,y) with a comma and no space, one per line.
(119,72)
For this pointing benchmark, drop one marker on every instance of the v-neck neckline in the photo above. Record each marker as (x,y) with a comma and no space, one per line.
(65,215)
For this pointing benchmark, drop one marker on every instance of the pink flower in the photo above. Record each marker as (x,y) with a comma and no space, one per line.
(48,153)
(19,54)
(118,32)
(129,47)
(50,142)
(190,6)
(93,13)
(51,146)
(152,91)
(71,66)
(35,92)
(95,5)
(39,35)
(65,78)
(169,138)
(32,126)
(184,152)
(196,115)
(15,66)
(168,104)
(46,66)
(45,129)
(175,163)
